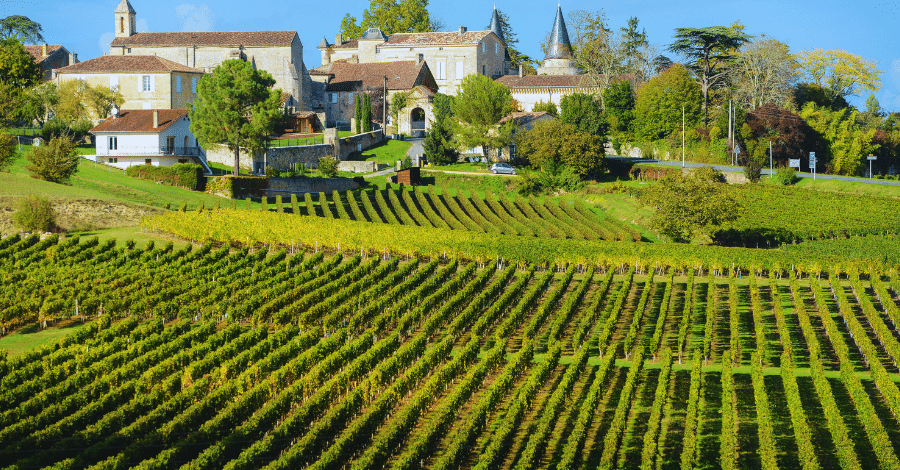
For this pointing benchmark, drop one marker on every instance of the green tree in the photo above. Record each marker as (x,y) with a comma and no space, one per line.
(619,99)
(764,72)
(634,43)
(552,145)
(21,28)
(848,143)
(688,206)
(840,72)
(874,113)
(237,107)
(357,115)
(34,214)
(55,162)
(659,103)
(18,72)
(479,106)
(710,52)
(7,151)
(548,107)
(328,165)
(40,102)
(438,143)
(584,112)
(516,58)
(367,113)
(391,16)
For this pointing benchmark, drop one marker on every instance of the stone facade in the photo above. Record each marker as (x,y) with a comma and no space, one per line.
(51,57)
(168,90)
(284,187)
(289,158)
(418,114)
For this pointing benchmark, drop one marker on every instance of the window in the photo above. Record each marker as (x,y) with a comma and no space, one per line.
(441,71)
(178,84)
(350,97)
(114,82)
(113,160)
(483,47)
(484,70)
(129,50)
(497,48)
(459,69)
(121,24)
(333,97)
(170,144)
(146,83)
(148,161)
(194,85)
(113,143)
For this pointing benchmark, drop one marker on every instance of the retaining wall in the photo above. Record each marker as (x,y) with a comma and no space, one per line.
(288,186)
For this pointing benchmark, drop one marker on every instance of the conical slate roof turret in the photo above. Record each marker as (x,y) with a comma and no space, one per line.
(125,7)
(495,25)
(559,47)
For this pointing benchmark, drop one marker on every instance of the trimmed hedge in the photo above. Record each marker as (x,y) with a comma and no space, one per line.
(185,175)
(237,186)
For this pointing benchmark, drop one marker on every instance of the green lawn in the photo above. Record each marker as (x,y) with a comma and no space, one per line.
(387,152)
(32,337)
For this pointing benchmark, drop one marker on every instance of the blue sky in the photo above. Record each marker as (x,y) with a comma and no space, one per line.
(867,28)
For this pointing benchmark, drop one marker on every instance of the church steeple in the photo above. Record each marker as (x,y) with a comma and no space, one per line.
(125,23)
(559,47)
(495,26)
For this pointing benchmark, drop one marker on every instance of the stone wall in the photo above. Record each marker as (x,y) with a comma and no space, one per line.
(361,167)
(287,186)
(285,158)
(357,143)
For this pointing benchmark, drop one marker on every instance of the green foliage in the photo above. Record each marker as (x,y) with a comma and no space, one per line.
(839,72)
(21,28)
(584,112)
(619,101)
(231,186)
(552,145)
(848,143)
(399,101)
(478,107)
(559,179)
(185,175)
(328,165)
(34,214)
(405,162)
(17,67)
(822,97)
(689,205)
(547,107)
(658,108)
(785,176)
(391,16)
(753,169)
(8,152)
(55,162)
(438,143)
(357,115)
(367,113)
(235,107)
(39,102)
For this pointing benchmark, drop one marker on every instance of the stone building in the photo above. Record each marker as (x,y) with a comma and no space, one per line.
(280,53)
(450,55)
(559,58)
(50,57)
(529,90)
(146,82)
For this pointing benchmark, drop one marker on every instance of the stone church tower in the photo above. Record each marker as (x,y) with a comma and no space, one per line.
(125,22)
(559,60)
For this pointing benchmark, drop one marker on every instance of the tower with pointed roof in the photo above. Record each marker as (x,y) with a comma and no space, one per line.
(559,59)
(125,22)
(495,26)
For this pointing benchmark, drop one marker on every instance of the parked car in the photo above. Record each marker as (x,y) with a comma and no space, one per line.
(503,168)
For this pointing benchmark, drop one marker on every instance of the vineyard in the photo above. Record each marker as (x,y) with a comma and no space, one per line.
(494,214)
(291,358)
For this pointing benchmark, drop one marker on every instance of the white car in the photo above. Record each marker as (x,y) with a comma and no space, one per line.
(503,168)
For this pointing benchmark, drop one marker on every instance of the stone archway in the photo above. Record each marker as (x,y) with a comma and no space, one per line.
(417,122)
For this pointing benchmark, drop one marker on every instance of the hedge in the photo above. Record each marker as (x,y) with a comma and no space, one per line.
(237,186)
(185,175)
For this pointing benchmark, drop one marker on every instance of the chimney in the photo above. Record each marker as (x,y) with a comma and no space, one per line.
(463,29)
(521,71)
(155,118)
(338,40)
(73,58)
(44,50)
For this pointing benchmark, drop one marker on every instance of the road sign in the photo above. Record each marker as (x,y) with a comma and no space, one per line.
(872,158)
(812,155)
(794,163)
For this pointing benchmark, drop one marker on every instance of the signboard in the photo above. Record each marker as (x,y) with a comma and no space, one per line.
(870,157)
(794,163)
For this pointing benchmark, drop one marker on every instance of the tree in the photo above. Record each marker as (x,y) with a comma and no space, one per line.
(810,92)
(847,142)
(478,107)
(840,72)
(874,113)
(552,144)
(619,99)
(391,16)
(516,58)
(40,102)
(357,115)
(634,43)
(764,72)
(18,72)
(688,206)
(709,52)
(76,101)
(601,59)
(438,143)
(659,104)
(583,111)
(548,107)
(34,214)
(367,113)
(55,162)
(237,107)
(7,151)
(790,135)
(21,28)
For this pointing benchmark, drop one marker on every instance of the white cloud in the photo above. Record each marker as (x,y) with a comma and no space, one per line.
(195,17)
(105,40)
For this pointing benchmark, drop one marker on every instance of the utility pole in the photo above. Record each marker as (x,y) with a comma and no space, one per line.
(730,139)
(384,111)
(771,169)
(682,136)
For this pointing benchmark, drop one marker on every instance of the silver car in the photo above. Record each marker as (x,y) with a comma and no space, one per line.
(503,168)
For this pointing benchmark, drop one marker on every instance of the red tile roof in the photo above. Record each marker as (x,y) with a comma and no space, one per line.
(128,63)
(400,76)
(140,120)
(543,81)
(350,44)
(209,38)
(442,38)
(37,51)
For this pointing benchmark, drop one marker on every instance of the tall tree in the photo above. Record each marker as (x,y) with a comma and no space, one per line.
(516,58)
(709,51)
(237,107)
(848,143)
(634,45)
(764,72)
(438,143)
(357,115)
(40,102)
(367,113)
(479,106)
(584,112)
(21,27)
(619,99)
(552,144)
(18,72)
(659,104)
(391,16)
(840,72)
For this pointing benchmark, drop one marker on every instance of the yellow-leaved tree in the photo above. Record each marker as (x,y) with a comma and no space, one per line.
(839,71)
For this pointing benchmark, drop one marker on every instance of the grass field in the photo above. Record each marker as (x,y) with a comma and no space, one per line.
(387,152)
(32,337)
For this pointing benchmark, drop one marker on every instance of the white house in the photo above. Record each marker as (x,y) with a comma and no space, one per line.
(158,137)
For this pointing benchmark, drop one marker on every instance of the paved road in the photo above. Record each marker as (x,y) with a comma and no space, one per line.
(476,173)
(764,172)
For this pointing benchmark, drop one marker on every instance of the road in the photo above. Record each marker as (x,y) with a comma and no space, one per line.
(764,172)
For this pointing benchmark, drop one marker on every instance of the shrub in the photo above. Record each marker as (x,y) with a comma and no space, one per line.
(186,175)
(7,151)
(708,174)
(56,162)
(328,165)
(34,214)
(785,176)
(237,186)
(753,170)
